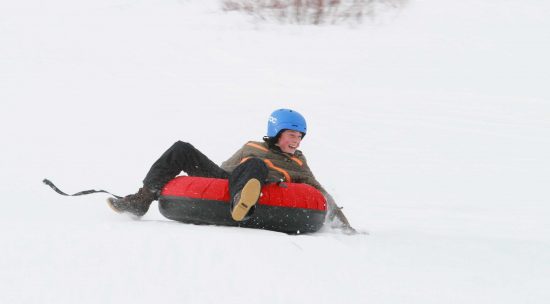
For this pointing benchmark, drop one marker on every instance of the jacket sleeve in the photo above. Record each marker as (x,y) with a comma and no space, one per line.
(334,213)
(235,160)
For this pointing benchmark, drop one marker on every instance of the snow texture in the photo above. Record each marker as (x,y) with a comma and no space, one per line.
(430,127)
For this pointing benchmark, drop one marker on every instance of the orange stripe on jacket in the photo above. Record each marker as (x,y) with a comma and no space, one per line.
(272,166)
(297,161)
(258,147)
(244,159)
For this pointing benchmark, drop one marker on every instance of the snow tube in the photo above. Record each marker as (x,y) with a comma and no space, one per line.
(290,208)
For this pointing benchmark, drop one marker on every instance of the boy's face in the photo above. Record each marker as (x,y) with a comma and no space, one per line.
(289,141)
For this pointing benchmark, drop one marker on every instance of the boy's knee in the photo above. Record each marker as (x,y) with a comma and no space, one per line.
(181,145)
(257,164)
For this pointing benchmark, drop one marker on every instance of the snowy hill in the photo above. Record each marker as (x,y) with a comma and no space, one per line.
(431,128)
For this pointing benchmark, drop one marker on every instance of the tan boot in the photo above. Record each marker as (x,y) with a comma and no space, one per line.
(245,199)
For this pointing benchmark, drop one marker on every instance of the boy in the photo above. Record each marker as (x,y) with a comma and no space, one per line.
(275,160)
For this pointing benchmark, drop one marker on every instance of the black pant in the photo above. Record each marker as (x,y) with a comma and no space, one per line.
(182,156)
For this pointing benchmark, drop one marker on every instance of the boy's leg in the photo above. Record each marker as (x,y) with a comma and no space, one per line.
(245,184)
(179,157)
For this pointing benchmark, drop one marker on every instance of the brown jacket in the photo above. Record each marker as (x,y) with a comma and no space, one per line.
(282,166)
(289,168)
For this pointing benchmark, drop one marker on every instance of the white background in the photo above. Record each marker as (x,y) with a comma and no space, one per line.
(431,127)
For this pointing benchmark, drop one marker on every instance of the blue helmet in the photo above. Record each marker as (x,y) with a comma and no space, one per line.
(285,119)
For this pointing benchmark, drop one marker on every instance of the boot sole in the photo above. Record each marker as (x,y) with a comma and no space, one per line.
(110,203)
(249,197)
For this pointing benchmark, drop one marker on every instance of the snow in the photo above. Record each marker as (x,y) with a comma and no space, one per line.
(430,127)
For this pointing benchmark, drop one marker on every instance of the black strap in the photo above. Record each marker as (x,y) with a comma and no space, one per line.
(49,183)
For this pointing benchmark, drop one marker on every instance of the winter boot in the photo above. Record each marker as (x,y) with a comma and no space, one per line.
(136,204)
(245,199)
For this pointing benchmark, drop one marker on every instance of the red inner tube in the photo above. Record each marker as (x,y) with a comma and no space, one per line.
(290,195)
